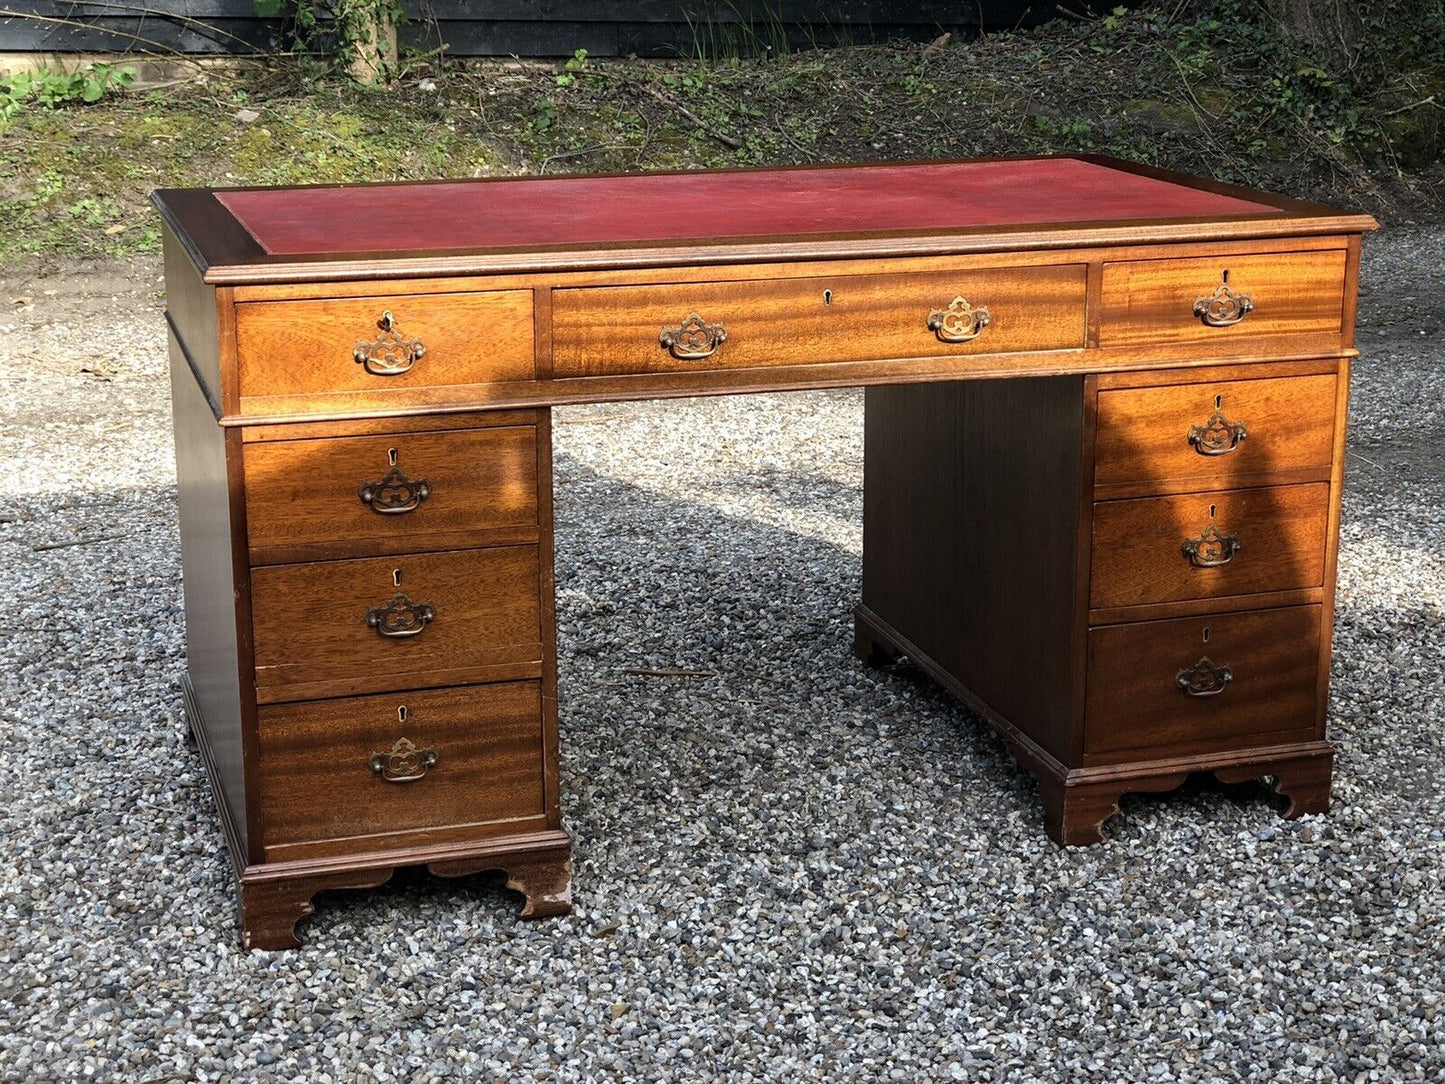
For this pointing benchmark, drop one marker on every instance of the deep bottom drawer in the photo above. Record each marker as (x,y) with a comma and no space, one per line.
(349,771)
(1137,673)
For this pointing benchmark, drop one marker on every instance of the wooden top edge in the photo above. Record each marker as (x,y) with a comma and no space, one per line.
(227,254)
(352,267)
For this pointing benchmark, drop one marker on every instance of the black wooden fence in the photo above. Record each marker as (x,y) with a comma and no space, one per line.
(513,27)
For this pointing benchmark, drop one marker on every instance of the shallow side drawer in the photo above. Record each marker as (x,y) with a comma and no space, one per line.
(390,493)
(335,628)
(396,346)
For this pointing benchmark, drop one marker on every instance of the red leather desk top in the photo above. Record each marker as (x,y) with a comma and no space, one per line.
(588,211)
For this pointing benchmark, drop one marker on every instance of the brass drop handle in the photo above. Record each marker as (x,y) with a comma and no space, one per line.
(693,339)
(401,617)
(1204,678)
(394,493)
(391,353)
(960,322)
(1225,307)
(404,763)
(1211,549)
(1218,436)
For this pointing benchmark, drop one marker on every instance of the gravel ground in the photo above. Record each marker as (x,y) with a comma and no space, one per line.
(799,869)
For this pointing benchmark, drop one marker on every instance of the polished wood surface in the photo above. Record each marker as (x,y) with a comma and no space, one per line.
(1139,548)
(323,796)
(969,534)
(299,347)
(312,636)
(1032,490)
(1135,702)
(305,498)
(1143,443)
(810,320)
(1153,301)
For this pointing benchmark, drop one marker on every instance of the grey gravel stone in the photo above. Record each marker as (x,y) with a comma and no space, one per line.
(791,869)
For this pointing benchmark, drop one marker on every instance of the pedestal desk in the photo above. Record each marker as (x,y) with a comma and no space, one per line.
(1104,433)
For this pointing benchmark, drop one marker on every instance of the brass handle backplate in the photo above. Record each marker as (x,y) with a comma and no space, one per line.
(1225,307)
(693,339)
(1211,549)
(1204,678)
(394,493)
(960,322)
(390,353)
(405,763)
(401,616)
(1218,436)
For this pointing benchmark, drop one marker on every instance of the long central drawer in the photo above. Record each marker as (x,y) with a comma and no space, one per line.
(614,330)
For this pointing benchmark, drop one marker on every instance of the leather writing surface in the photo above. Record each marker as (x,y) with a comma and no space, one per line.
(661,207)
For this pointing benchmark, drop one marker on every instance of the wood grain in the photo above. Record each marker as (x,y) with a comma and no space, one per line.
(1143,434)
(1152,301)
(318,787)
(303,503)
(217,649)
(969,533)
(1135,704)
(295,348)
(1138,555)
(809,321)
(312,638)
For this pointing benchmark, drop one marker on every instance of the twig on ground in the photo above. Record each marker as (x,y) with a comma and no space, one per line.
(1413,105)
(698,122)
(45,547)
(643,671)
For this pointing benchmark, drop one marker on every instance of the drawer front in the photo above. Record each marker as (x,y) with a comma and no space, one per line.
(390,493)
(365,766)
(321,629)
(348,344)
(1219,298)
(645,329)
(1206,545)
(1135,699)
(1215,434)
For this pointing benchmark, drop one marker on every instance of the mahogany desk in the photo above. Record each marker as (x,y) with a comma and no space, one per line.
(1122,556)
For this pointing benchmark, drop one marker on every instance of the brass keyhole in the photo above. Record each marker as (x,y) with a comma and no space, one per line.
(396,577)
(401,714)
(1206,634)
(1218,402)
(827,297)
(391,456)
(1211,510)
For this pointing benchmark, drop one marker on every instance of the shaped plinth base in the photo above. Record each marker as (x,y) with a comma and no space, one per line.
(273,900)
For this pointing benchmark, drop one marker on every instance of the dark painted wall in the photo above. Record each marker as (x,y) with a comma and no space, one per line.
(521,27)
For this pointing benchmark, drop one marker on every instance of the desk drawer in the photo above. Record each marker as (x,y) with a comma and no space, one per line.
(1217,433)
(613,330)
(1135,697)
(390,493)
(344,345)
(336,628)
(350,770)
(1217,299)
(1207,545)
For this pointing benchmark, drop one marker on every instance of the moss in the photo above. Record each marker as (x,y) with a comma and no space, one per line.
(1171,89)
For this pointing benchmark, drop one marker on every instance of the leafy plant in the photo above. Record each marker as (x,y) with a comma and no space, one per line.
(53,89)
(576,63)
(349,31)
